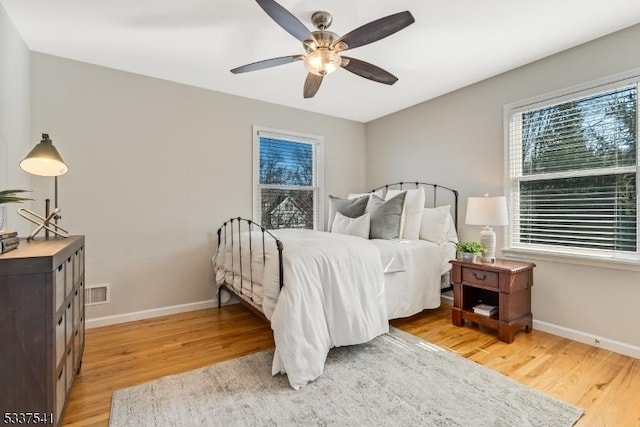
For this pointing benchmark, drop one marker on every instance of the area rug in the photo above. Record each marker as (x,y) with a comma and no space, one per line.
(396,379)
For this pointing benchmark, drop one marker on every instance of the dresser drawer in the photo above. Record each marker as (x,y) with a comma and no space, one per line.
(480,277)
(69,368)
(81,299)
(77,313)
(76,346)
(60,341)
(76,267)
(68,274)
(61,391)
(69,328)
(59,286)
(81,332)
(81,267)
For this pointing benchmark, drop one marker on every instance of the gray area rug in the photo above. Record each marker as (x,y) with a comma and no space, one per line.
(395,380)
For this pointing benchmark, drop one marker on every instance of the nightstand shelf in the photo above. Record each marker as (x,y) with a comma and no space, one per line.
(503,284)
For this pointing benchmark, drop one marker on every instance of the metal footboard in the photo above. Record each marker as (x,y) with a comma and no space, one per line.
(231,233)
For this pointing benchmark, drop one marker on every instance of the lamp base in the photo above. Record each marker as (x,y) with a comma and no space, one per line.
(42,222)
(488,240)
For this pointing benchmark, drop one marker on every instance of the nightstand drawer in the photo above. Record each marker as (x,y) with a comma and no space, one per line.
(480,277)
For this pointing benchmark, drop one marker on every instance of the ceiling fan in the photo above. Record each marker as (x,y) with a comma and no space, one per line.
(324,48)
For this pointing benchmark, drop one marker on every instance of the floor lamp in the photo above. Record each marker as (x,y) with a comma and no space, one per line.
(44,160)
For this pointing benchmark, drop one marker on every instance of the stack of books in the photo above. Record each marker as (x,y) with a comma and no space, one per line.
(485,309)
(8,240)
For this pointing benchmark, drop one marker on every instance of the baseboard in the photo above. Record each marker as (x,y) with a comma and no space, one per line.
(583,337)
(572,334)
(148,314)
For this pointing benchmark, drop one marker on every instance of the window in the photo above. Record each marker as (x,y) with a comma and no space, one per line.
(573,173)
(287,177)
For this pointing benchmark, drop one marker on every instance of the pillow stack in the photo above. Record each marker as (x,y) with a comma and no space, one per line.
(400,215)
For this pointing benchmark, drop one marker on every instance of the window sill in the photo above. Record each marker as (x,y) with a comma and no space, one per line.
(564,258)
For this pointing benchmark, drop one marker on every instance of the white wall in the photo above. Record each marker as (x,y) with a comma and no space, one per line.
(14,115)
(155,167)
(457,140)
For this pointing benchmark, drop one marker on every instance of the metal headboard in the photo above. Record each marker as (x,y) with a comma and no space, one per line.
(434,189)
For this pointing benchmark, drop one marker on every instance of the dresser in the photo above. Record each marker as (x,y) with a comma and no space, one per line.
(41,328)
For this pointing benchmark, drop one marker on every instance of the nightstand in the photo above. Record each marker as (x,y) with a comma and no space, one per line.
(504,284)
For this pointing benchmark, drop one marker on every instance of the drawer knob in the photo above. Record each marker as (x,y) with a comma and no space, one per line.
(482,276)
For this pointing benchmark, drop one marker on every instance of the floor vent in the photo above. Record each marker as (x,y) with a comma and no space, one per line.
(96,294)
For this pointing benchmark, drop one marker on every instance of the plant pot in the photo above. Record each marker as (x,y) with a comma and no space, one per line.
(468,257)
(3,216)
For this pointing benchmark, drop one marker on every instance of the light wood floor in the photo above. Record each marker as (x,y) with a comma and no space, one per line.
(605,384)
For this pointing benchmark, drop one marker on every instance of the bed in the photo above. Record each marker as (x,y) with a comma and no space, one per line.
(324,289)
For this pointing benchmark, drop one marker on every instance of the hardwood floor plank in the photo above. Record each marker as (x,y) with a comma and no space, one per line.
(605,384)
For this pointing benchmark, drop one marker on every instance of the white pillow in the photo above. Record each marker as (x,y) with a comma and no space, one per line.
(353,226)
(411,213)
(451,234)
(435,223)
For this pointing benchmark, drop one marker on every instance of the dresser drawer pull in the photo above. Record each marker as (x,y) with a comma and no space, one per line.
(482,276)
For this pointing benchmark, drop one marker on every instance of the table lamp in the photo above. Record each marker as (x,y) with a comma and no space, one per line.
(487,211)
(44,160)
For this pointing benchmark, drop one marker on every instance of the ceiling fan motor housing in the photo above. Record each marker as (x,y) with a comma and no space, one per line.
(323,39)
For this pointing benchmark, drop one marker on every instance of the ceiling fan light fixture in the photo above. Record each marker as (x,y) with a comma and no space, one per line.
(324,48)
(322,62)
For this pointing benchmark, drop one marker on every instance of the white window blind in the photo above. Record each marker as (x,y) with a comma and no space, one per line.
(573,172)
(287,177)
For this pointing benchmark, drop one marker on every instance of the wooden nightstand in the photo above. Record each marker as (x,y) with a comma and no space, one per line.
(504,284)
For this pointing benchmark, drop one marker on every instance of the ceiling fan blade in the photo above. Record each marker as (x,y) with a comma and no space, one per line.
(376,30)
(286,20)
(369,71)
(267,63)
(311,85)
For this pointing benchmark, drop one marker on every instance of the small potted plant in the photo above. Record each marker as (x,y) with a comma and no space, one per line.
(9,196)
(470,250)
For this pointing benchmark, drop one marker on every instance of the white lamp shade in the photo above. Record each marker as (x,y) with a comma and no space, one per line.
(487,211)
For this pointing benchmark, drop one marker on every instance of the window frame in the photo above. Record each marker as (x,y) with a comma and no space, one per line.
(318,165)
(571,254)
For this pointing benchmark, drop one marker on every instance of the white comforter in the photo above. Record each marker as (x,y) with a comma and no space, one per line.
(413,270)
(333,295)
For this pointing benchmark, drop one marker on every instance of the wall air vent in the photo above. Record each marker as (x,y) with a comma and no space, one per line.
(97,294)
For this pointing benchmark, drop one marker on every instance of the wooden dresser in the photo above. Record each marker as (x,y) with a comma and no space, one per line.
(41,328)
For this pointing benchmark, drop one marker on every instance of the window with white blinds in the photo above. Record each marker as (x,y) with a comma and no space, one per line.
(573,173)
(287,176)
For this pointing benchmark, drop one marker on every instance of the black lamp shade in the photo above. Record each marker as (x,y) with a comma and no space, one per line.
(44,159)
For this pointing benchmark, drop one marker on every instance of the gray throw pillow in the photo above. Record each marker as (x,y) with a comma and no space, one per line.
(386,216)
(351,208)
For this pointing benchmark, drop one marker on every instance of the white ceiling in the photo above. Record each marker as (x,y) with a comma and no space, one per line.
(453,43)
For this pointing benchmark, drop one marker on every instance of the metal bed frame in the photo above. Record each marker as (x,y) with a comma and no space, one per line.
(234,227)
